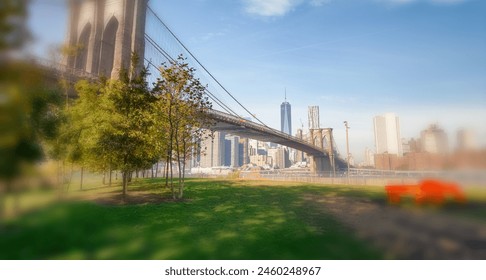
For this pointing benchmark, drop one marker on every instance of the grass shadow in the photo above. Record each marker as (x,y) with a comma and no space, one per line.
(218,220)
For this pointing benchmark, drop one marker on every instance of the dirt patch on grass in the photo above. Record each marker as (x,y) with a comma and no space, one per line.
(406,233)
(133,199)
(110,196)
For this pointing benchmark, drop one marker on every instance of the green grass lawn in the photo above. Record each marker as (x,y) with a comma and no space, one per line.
(217,220)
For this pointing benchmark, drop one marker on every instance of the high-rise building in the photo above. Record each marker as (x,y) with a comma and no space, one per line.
(466,140)
(387,134)
(227,151)
(314,117)
(244,151)
(286,117)
(434,140)
(235,152)
(369,158)
(213,150)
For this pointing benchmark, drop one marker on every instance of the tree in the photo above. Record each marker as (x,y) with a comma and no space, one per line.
(181,105)
(29,110)
(13,31)
(115,124)
(29,119)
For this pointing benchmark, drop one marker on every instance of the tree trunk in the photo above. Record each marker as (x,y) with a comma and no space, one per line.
(181,186)
(124,184)
(166,170)
(81,183)
(109,182)
(70,177)
(157,170)
(59,184)
(2,207)
(63,172)
(172,181)
(180,174)
(3,204)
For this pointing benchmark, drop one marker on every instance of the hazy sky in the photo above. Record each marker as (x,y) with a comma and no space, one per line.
(424,60)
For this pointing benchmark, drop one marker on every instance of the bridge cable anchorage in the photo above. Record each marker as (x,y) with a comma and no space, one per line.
(200,64)
(209,93)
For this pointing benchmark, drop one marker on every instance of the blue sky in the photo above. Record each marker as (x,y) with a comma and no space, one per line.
(424,60)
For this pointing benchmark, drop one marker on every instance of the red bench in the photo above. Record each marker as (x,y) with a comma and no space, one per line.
(430,190)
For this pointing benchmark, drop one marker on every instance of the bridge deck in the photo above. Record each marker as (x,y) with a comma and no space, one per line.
(244,128)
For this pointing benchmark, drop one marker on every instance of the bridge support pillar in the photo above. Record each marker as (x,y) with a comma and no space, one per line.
(320,165)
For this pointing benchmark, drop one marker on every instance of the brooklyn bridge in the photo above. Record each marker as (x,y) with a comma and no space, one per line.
(106,33)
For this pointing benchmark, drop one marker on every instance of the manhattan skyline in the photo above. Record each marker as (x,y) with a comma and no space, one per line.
(422,60)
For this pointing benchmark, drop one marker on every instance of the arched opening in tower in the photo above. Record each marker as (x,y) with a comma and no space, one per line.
(108,42)
(83,45)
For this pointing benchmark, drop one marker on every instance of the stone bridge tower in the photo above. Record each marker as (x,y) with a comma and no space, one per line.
(104,34)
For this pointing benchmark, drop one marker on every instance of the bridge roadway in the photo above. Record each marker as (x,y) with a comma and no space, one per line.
(237,126)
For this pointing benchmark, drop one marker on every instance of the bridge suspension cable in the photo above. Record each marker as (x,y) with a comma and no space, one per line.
(203,67)
(170,58)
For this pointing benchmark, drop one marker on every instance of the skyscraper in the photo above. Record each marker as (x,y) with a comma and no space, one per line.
(213,150)
(286,117)
(387,134)
(434,140)
(466,140)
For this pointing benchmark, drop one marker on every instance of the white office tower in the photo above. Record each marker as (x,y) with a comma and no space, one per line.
(387,134)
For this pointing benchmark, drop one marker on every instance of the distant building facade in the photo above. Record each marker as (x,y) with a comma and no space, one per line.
(434,140)
(235,152)
(466,140)
(387,134)
(213,150)
(369,158)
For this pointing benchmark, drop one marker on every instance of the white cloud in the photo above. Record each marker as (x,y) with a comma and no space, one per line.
(277,8)
(270,8)
(318,3)
(447,1)
(441,2)
(397,2)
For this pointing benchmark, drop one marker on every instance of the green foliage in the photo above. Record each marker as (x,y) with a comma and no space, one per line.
(13,32)
(122,125)
(112,125)
(29,117)
(181,105)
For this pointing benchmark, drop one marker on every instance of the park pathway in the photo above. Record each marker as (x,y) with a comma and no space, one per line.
(406,233)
